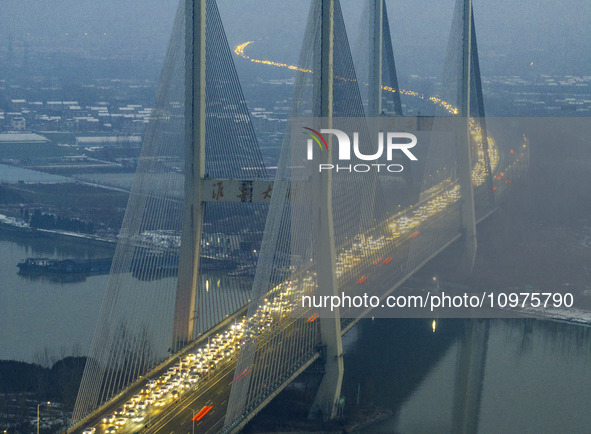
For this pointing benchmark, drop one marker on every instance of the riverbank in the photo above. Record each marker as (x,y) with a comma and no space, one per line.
(24,385)
(12,226)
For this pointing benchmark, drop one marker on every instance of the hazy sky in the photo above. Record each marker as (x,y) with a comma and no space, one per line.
(553,28)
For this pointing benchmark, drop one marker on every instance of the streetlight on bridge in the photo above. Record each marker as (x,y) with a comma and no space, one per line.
(39,405)
(193,418)
(434,323)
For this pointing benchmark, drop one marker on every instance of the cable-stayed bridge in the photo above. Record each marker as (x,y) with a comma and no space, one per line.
(174,332)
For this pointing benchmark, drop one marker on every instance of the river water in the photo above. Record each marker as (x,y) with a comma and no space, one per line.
(38,313)
(516,376)
(498,375)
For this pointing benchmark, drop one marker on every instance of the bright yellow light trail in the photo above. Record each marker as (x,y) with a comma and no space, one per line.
(239,51)
(479,171)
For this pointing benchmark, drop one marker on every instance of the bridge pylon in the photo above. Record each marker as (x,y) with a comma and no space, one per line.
(376,35)
(464,152)
(195,67)
(462,88)
(328,394)
(224,187)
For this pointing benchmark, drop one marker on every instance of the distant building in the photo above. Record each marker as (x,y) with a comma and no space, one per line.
(18,104)
(18,123)
(108,140)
